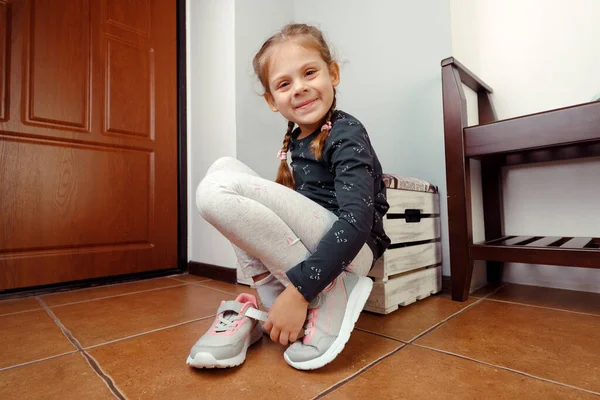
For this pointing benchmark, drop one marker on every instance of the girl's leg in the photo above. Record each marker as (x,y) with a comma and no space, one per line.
(249,265)
(281,228)
(264,219)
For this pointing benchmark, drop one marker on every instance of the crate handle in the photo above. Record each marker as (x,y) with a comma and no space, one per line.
(412,216)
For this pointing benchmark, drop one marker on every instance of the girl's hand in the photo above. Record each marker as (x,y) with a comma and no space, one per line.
(287,316)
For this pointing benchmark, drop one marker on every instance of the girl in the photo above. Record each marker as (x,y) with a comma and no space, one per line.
(308,240)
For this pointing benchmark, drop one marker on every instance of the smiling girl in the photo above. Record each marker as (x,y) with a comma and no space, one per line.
(309,239)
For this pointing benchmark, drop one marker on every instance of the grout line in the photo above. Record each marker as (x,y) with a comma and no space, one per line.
(108,381)
(21,312)
(434,327)
(117,295)
(505,369)
(106,378)
(357,373)
(102,286)
(493,292)
(147,332)
(381,335)
(194,282)
(216,290)
(543,307)
(36,361)
(428,330)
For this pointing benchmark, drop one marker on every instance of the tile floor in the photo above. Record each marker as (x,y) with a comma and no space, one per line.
(130,341)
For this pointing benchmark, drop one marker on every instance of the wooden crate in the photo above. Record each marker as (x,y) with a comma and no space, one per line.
(410,269)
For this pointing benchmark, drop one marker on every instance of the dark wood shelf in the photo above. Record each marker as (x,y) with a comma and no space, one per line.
(554,135)
(548,250)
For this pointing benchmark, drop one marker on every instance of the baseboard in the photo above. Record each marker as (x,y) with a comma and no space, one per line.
(215,272)
(85,284)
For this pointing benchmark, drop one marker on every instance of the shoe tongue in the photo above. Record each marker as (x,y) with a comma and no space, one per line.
(227,315)
(230,315)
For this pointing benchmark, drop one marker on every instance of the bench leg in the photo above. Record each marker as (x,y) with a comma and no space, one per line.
(491,181)
(461,274)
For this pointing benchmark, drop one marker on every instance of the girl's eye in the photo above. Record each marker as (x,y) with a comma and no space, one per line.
(282,85)
(310,72)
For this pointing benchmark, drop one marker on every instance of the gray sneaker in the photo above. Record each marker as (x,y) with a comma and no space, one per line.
(331,318)
(235,328)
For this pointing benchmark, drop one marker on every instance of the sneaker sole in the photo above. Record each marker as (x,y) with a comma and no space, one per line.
(207,360)
(356,303)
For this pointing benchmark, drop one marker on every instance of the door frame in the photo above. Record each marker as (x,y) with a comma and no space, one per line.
(182,162)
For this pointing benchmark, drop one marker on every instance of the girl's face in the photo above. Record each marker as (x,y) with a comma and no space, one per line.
(301,84)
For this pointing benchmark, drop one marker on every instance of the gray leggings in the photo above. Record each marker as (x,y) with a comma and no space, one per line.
(272,228)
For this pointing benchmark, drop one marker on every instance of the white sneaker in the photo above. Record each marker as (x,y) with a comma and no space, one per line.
(235,328)
(331,318)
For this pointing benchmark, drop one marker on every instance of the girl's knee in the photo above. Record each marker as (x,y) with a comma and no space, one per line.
(221,164)
(210,191)
(205,193)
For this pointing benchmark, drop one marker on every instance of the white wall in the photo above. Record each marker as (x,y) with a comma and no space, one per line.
(391,79)
(537,61)
(259,130)
(211,111)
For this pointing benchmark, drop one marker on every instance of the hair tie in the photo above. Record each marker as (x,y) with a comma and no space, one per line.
(282,155)
(326,126)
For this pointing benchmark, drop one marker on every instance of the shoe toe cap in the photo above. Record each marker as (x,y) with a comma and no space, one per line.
(299,352)
(219,352)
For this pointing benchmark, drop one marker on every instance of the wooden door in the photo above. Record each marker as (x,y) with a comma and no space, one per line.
(88,139)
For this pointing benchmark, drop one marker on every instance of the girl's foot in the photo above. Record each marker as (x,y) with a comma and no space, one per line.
(331,318)
(235,328)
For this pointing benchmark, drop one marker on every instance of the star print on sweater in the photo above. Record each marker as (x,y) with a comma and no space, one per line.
(347,181)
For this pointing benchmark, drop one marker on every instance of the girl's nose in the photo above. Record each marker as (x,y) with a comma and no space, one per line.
(300,88)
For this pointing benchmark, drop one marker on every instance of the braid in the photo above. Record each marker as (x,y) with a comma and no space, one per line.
(318,143)
(284,175)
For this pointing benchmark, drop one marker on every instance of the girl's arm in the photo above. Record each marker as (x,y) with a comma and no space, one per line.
(351,155)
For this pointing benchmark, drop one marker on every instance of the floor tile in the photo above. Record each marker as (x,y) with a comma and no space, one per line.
(66,377)
(487,289)
(190,278)
(30,336)
(57,299)
(153,366)
(416,373)
(19,305)
(229,288)
(556,345)
(235,290)
(114,318)
(571,300)
(408,322)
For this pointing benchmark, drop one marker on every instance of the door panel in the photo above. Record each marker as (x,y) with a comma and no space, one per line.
(129,70)
(57,61)
(88,156)
(4,58)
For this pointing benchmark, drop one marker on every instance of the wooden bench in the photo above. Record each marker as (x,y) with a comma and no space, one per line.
(562,134)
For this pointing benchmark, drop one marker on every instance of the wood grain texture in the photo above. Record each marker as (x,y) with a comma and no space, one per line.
(458,182)
(404,290)
(77,203)
(5,33)
(404,259)
(400,231)
(541,130)
(58,75)
(401,200)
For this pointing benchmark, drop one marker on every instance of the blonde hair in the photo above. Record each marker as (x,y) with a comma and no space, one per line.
(310,37)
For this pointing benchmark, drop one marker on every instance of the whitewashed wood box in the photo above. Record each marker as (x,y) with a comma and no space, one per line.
(410,269)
